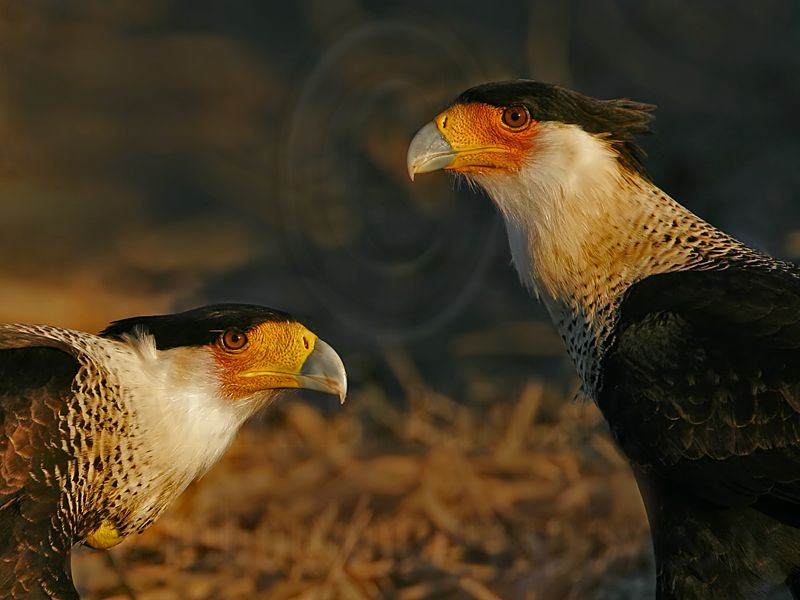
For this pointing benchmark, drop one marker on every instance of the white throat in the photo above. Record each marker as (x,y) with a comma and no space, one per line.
(185,424)
(557,206)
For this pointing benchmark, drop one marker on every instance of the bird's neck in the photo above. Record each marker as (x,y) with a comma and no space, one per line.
(177,425)
(175,395)
(583,229)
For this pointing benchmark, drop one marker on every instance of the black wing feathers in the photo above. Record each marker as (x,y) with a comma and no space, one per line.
(744,302)
(702,384)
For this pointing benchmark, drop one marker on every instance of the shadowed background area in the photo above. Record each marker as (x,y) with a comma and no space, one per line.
(158,155)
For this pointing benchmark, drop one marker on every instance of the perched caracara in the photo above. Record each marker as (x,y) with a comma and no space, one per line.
(101,432)
(688,340)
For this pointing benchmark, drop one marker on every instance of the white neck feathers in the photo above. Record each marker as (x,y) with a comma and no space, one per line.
(183,420)
(579,224)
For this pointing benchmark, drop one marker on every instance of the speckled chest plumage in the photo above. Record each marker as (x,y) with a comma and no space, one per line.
(109,476)
(584,296)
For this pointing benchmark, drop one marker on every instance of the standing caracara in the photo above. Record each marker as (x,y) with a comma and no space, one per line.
(688,340)
(101,432)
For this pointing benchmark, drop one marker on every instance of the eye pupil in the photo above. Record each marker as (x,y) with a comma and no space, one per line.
(234,340)
(516,117)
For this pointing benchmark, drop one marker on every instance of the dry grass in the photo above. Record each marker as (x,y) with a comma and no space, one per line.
(525,500)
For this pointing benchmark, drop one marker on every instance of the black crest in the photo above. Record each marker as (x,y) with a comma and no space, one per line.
(196,327)
(619,120)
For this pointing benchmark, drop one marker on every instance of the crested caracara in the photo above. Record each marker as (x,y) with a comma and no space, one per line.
(687,340)
(101,432)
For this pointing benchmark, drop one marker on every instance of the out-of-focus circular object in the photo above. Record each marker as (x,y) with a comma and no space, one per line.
(393,262)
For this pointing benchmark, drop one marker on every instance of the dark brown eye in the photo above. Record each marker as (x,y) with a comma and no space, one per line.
(516,117)
(233,339)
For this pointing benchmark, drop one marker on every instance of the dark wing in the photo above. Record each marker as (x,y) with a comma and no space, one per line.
(701,384)
(36,375)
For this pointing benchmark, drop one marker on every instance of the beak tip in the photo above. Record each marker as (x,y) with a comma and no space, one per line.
(340,387)
(428,151)
(411,160)
(324,371)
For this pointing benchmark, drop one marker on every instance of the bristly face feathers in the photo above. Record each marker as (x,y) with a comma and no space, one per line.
(254,348)
(619,120)
(499,127)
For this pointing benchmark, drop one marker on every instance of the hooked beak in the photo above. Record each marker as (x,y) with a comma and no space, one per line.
(471,139)
(429,151)
(323,371)
(320,370)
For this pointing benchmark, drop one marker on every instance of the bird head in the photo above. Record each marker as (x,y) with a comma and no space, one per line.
(529,131)
(561,167)
(247,352)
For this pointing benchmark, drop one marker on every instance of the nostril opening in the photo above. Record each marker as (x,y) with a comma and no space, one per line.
(444,122)
(306,343)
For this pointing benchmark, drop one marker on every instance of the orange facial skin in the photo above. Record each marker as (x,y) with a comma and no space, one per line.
(482,140)
(271,358)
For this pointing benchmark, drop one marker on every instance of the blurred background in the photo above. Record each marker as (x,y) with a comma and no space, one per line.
(162,154)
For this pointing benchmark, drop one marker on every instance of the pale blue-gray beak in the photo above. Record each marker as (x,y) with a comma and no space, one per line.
(428,151)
